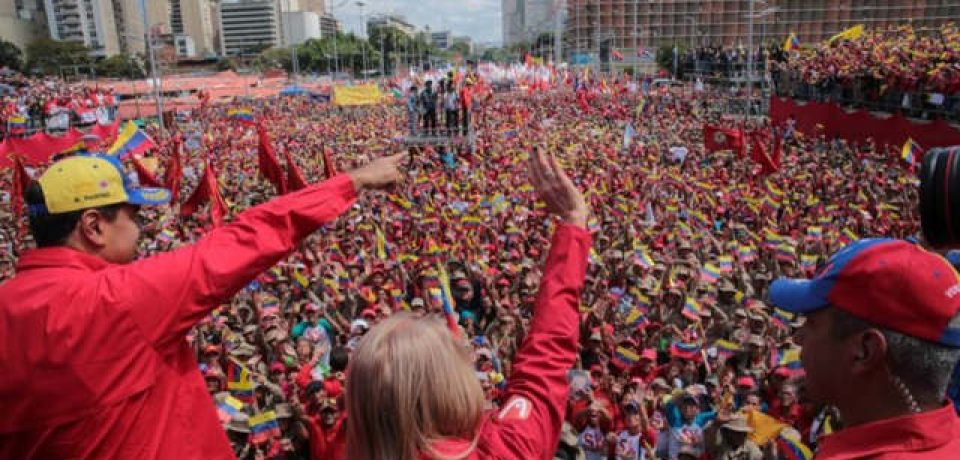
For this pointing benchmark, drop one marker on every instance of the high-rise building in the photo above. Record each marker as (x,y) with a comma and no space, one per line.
(524,20)
(129,20)
(441,39)
(248,26)
(300,26)
(90,22)
(329,25)
(596,27)
(391,20)
(315,6)
(22,21)
(196,19)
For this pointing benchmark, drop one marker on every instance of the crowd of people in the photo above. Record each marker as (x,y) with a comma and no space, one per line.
(897,57)
(680,357)
(28,104)
(892,69)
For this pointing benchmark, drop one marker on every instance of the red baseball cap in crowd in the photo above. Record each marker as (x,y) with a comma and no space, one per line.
(893,284)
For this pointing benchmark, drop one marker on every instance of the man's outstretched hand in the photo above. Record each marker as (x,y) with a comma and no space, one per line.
(378,173)
(556,189)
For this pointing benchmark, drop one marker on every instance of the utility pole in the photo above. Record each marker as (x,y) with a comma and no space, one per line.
(363,28)
(154,76)
(750,59)
(558,32)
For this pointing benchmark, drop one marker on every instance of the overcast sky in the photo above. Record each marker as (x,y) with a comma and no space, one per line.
(478,19)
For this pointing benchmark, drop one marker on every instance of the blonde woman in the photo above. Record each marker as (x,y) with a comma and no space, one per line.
(413,394)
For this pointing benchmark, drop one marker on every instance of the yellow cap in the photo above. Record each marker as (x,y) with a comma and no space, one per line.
(82,182)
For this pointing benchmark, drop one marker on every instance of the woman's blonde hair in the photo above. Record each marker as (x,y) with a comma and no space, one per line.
(409,385)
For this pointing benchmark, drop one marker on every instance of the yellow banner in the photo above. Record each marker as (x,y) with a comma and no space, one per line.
(357,95)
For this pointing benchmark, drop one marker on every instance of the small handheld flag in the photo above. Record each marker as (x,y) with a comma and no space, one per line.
(242,114)
(792,42)
(264,427)
(910,152)
(130,141)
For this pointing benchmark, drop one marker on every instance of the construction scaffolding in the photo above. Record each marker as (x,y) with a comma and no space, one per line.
(615,33)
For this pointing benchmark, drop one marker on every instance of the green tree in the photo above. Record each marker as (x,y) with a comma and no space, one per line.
(47,56)
(120,66)
(10,55)
(391,43)
(274,58)
(226,64)
(460,47)
(665,58)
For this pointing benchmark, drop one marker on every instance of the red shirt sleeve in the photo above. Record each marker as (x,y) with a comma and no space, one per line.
(168,293)
(528,424)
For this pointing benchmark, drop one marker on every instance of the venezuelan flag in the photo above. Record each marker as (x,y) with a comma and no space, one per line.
(229,408)
(709,273)
(301,281)
(447,301)
(792,42)
(17,124)
(130,141)
(727,349)
(641,258)
(852,33)
(264,427)
(626,356)
(746,253)
(773,190)
(792,448)
(470,221)
(685,350)
(910,152)
(699,218)
(791,359)
(269,305)
(808,261)
(785,252)
(594,257)
(726,263)
(242,114)
(781,318)
(381,245)
(636,318)
(847,236)
(238,381)
(692,309)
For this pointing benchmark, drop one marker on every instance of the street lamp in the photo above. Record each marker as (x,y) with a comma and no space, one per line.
(751,16)
(363,28)
(154,77)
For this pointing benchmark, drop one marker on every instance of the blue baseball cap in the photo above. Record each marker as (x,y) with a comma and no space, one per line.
(889,283)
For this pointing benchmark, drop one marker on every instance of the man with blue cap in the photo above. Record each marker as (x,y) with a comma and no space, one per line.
(93,352)
(881,337)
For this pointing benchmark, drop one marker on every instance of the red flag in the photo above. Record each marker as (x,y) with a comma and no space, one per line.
(207,190)
(758,153)
(174,170)
(295,179)
(147,179)
(716,138)
(328,165)
(268,162)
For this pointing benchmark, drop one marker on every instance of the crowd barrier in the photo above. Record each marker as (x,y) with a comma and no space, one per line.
(858,125)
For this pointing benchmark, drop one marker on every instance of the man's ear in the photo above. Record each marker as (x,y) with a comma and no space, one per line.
(91,229)
(869,350)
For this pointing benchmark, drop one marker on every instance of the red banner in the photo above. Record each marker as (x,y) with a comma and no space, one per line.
(859,125)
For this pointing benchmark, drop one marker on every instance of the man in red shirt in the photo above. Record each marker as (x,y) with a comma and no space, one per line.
(881,337)
(92,343)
